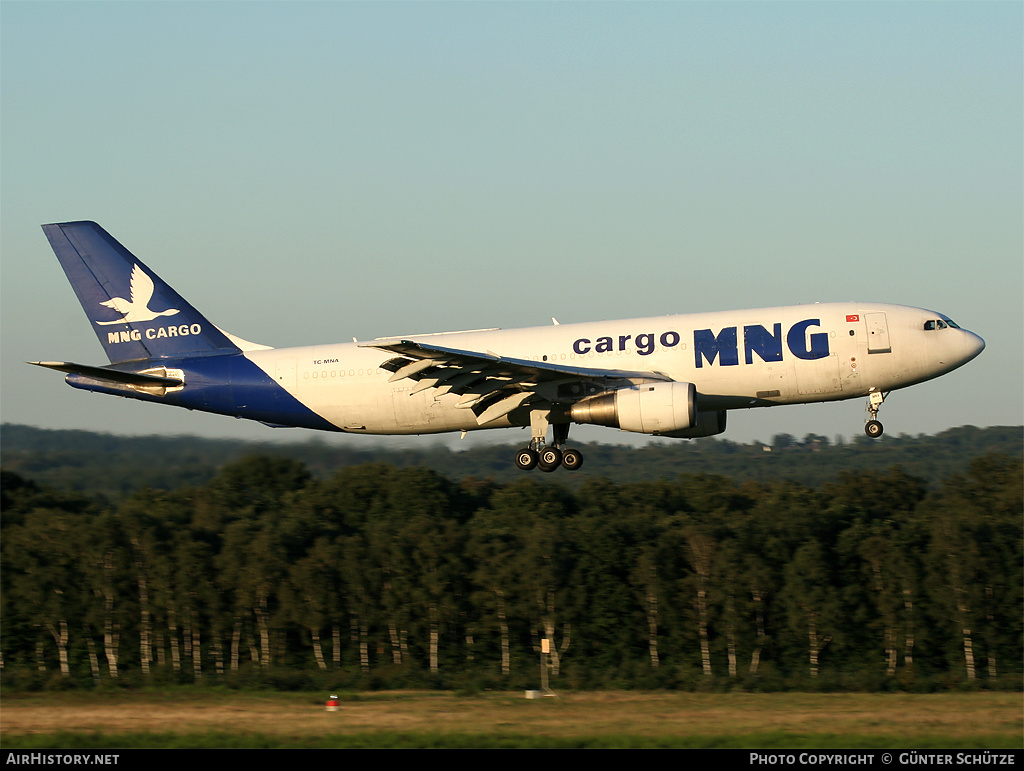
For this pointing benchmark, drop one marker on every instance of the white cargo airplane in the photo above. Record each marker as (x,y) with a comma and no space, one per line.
(672,376)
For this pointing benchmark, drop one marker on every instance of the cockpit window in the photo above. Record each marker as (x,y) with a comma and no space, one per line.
(929,325)
(939,324)
(952,323)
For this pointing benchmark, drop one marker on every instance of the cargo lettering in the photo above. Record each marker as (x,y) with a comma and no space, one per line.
(644,343)
(157,333)
(722,346)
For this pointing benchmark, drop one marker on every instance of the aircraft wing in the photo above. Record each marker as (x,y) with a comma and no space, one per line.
(493,385)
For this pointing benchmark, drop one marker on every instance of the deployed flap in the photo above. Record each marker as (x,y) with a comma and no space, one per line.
(493,364)
(493,385)
(502,407)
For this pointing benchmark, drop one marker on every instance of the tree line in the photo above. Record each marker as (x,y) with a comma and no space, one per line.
(116,466)
(384,576)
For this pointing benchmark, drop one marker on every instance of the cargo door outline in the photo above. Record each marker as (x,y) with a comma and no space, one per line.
(878,333)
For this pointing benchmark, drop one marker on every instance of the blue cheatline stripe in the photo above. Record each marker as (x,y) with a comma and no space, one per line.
(228,384)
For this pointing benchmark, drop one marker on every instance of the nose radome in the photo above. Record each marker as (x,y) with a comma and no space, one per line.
(973,345)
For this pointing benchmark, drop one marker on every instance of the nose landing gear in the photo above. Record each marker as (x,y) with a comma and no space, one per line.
(873,428)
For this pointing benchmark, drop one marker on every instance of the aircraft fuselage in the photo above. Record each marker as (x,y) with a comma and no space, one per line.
(666,375)
(736,359)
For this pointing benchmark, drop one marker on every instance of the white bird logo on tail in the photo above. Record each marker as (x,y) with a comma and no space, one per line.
(136,309)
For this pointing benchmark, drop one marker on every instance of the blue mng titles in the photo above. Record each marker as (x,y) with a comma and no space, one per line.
(707,346)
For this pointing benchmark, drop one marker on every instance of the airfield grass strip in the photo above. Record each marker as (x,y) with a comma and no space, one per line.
(208,719)
(446,740)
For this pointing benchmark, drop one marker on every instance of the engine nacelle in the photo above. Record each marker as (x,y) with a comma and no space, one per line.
(648,408)
(708,424)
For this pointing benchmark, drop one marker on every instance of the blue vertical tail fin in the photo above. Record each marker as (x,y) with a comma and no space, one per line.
(135,315)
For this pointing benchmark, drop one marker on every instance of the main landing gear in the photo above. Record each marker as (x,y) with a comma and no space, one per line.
(548,458)
(873,428)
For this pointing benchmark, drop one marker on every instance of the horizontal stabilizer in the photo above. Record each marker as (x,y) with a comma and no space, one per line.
(113,375)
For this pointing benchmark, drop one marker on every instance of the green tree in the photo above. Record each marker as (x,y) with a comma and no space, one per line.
(813,604)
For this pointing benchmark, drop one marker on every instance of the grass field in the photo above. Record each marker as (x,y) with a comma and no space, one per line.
(590,719)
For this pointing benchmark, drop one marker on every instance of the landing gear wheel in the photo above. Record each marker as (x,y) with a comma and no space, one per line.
(572,459)
(526,459)
(550,459)
(873,428)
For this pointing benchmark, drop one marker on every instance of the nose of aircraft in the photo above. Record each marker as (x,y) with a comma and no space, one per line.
(973,345)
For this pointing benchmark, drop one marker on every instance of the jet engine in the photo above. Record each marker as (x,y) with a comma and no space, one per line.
(709,423)
(648,408)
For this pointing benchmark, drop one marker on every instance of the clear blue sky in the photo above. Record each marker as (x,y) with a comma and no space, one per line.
(308,172)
